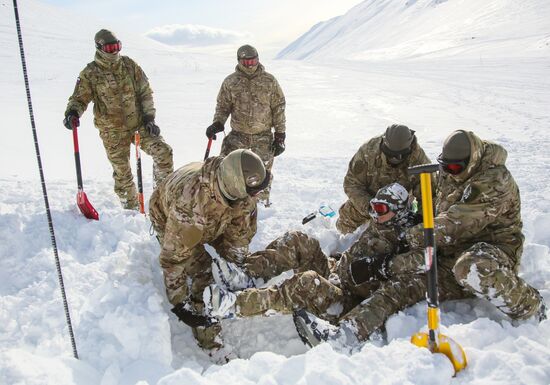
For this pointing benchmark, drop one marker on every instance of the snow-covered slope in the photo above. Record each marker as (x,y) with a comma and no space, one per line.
(415,29)
(124,329)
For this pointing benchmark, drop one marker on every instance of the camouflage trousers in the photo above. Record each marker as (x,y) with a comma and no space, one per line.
(117,146)
(260,144)
(308,288)
(349,218)
(483,270)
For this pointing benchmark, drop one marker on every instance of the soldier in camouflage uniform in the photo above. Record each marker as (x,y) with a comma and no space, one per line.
(328,288)
(380,161)
(205,203)
(256,104)
(478,231)
(123,104)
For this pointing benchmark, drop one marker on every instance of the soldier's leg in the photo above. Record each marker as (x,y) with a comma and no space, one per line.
(117,147)
(233,141)
(156,214)
(294,250)
(261,144)
(161,152)
(488,272)
(392,296)
(349,219)
(307,290)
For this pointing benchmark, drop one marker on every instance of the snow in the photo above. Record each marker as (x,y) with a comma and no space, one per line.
(125,333)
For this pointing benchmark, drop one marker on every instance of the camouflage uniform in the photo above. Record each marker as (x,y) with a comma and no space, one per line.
(256,103)
(368,171)
(478,231)
(122,98)
(188,211)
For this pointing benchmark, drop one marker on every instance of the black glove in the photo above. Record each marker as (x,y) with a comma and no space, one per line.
(213,129)
(185,313)
(71,120)
(150,126)
(278,146)
(374,268)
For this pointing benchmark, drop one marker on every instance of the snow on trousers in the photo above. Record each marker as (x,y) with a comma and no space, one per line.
(308,288)
(118,149)
(260,144)
(368,171)
(483,270)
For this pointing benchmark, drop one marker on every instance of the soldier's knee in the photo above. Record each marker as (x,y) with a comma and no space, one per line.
(308,279)
(473,269)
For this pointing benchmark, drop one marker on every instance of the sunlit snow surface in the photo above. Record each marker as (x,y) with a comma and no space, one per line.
(124,330)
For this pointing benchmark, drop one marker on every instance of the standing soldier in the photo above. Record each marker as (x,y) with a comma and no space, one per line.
(478,233)
(205,203)
(123,104)
(380,161)
(256,103)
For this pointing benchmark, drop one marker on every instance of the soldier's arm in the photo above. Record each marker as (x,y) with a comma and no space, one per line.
(356,181)
(182,235)
(233,244)
(278,105)
(484,199)
(82,94)
(223,103)
(145,92)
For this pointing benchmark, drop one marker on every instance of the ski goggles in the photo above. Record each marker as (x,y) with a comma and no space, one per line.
(380,208)
(250,62)
(453,167)
(397,155)
(110,47)
(254,187)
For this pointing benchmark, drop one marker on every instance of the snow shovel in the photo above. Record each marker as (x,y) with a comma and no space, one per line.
(82,201)
(137,139)
(207,152)
(433,340)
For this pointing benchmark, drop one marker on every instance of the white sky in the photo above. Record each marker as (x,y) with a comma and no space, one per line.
(270,24)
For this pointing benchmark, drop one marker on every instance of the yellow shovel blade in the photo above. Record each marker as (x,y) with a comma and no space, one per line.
(447,346)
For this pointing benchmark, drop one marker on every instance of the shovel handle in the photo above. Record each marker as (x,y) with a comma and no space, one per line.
(77,158)
(137,142)
(207,152)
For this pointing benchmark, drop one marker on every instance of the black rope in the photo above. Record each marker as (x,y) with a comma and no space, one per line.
(44,192)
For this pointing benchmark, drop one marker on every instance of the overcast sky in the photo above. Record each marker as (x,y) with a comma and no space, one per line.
(268,23)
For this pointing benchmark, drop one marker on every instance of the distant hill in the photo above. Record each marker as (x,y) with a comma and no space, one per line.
(416,29)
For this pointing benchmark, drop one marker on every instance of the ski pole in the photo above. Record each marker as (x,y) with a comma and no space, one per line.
(433,340)
(43,181)
(207,152)
(139,176)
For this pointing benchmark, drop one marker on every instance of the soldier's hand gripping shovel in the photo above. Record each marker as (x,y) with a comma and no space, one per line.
(82,201)
(433,340)
(137,141)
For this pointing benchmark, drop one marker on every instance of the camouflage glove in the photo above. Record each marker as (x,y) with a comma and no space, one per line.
(186,314)
(71,120)
(150,126)
(278,146)
(213,129)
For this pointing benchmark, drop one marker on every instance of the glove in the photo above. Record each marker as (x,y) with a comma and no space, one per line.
(213,129)
(374,268)
(150,126)
(278,146)
(184,312)
(229,276)
(71,120)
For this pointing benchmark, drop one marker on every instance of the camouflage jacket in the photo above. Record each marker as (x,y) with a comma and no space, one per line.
(256,102)
(197,213)
(480,205)
(120,92)
(368,171)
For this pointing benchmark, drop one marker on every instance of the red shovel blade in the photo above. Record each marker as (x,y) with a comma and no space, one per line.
(85,206)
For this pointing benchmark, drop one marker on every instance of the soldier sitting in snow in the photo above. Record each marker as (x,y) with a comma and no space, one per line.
(478,231)
(328,288)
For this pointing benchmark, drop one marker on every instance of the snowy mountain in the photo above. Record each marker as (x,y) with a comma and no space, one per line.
(429,29)
(125,332)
